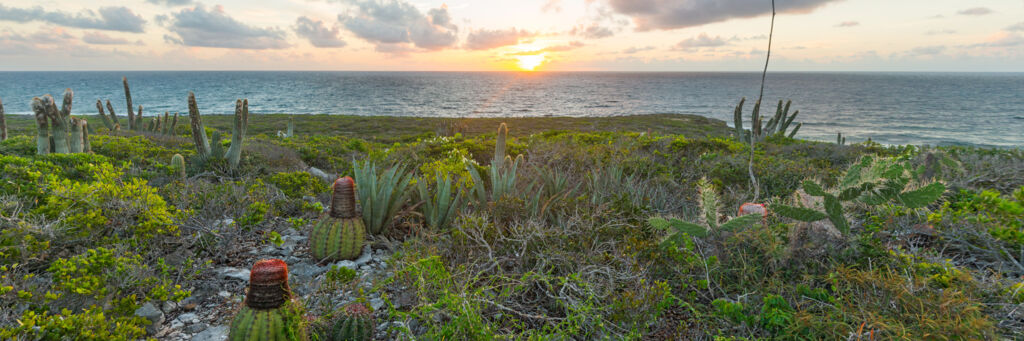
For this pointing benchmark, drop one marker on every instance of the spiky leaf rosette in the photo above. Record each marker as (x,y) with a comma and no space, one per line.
(268,285)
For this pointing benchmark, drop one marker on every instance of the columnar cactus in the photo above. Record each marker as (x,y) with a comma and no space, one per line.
(113,115)
(3,122)
(77,143)
(178,165)
(43,129)
(234,153)
(58,132)
(778,124)
(341,232)
(198,130)
(265,316)
(133,122)
(106,120)
(356,324)
(290,130)
(499,145)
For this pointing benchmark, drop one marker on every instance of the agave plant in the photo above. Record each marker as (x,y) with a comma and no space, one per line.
(502,173)
(439,208)
(381,195)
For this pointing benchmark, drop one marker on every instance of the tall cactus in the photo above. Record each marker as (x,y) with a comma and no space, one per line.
(60,122)
(77,143)
(499,145)
(164,125)
(3,122)
(132,121)
(267,314)
(106,120)
(43,125)
(290,130)
(234,153)
(198,130)
(340,233)
(778,124)
(113,115)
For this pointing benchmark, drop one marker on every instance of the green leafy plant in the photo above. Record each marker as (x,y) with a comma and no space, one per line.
(709,207)
(381,195)
(502,173)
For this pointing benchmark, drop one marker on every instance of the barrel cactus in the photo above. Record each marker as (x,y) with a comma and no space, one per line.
(356,324)
(178,165)
(340,233)
(268,313)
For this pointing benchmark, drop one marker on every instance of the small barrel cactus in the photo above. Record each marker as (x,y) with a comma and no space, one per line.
(178,165)
(340,233)
(751,208)
(267,315)
(356,324)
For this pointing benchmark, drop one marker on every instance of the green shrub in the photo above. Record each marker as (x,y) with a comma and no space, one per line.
(298,184)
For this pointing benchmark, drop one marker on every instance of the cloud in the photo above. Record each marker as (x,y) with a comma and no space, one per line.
(593,31)
(552,6)
(1018,27)
(170,3)
(98,38)
(317,33)
(1001,41)
(673,14)
(700,41)
(485,39)
(975,11)
(926,50)
(214,28)
(940,32)
(634,49)
(848,24)
(557,48)
(106,18)
(398,22)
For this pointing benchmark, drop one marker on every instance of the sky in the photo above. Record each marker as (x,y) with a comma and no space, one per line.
(512,35)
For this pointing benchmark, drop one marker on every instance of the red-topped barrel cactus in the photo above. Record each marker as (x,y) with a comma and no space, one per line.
(752,208)
(355,324)
(340,233)
(268,313)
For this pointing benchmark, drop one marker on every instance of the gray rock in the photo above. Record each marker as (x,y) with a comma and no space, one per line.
(234,273)
(346,264)
(215,333)
(320,174)
(168,307)
(224,294)
(305,271)
(155,316)
(365,257)
(177,324)
(195,328)
(376,303)
(187,317)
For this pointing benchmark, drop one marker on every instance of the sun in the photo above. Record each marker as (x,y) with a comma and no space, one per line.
(529,62)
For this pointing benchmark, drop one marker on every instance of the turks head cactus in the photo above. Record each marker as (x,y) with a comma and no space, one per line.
(340,233)
(268,313)
(178,165)
(356,324)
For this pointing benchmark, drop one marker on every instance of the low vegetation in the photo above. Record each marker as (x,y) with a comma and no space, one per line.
(604,228)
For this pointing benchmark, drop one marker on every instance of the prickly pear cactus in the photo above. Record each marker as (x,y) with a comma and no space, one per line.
(268,314)
(340,233)
(355,325)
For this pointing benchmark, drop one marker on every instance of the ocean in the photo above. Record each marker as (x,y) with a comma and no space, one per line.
(980,109)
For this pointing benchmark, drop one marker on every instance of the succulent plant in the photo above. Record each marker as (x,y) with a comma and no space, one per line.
(778,124)
(198,130)
(133,121)
(57,131)
(840,139)
(381,194)
(290,130)
(267,315)
(43,126)
(499,145)
(340,233)
(3,122)
(113,115)
(111,125)
(178,165)
(238,131)
(355,324)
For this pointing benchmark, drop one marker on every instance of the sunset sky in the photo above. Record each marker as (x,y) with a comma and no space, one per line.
(497,35)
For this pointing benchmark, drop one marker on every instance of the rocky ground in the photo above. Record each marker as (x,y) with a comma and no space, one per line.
(207,314)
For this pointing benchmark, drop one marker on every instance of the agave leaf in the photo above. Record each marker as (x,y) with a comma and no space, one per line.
(798,213)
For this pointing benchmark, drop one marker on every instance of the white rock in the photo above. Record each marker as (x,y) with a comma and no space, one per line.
(215,333)
(365,257)
(188,317)
(224,294)
(234,273)
(376,303)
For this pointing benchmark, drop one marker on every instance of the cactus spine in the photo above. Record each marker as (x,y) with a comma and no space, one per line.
(234,153)
(341,232)
(178,165)
(355,325)
(265,316)
(3,122)
(198,130)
